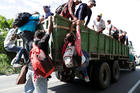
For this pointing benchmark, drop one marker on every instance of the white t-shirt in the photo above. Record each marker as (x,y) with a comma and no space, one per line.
(8,42)
(108,27)
(99,25)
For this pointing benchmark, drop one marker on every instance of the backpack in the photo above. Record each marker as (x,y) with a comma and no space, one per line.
(60,8)
(42,64)
(68,56)
(21,19)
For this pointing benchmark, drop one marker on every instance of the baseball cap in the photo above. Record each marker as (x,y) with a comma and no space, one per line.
(100,15)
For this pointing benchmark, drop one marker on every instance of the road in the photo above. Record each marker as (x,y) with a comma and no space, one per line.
(129,83)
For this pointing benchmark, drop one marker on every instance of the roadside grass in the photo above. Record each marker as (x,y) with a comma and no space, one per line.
(3,63)
(5,57)
(5,67)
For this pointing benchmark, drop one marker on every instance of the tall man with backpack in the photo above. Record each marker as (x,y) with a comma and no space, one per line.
(42,67)
(26,24)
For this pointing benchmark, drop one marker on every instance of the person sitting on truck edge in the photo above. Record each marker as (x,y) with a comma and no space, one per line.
(84,11)
(113,31)
(26,32)
(40,84)
(123,38)
(9,45)
(47,11)
(99,24)
(69,9)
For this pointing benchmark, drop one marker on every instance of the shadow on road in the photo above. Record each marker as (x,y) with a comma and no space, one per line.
(122,86)
(76,86)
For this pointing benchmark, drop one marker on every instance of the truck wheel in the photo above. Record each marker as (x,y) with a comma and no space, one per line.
(64,76)
(104,75)
(115,75)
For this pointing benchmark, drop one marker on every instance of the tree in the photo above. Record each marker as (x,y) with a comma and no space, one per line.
(5,23)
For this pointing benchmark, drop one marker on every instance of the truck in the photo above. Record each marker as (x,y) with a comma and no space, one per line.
(106,55)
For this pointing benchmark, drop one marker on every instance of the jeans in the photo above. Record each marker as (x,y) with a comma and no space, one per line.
(19,51)
(40,85)
(84,69)
(27,36)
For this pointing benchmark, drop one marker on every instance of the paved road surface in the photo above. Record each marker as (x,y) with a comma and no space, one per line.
(129,81)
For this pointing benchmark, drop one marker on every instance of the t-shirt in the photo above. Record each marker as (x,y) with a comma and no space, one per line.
(8,41)
(109,26)
(84,11)
(31,24)
(99,25)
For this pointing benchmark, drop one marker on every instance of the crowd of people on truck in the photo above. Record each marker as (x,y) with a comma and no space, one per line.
(37,40)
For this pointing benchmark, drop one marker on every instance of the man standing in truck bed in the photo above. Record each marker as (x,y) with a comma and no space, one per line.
(99,24)
(84,11)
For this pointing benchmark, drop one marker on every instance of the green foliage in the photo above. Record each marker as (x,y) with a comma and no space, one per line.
(3,62)
(5,23)
(2,37)
(5,57)
(10,23)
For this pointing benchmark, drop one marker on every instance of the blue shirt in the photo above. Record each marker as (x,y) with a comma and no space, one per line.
(31,25)
(84,11)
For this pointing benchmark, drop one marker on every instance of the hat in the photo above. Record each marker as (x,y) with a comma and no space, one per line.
(100,15)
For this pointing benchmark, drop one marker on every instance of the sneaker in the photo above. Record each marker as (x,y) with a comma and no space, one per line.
(87,79)
(13,61)
(16,65)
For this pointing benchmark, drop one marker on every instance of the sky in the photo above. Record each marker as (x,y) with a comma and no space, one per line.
(124,14)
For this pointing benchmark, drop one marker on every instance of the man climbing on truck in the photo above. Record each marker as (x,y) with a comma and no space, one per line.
(84,11)
(74,42)
(69,9)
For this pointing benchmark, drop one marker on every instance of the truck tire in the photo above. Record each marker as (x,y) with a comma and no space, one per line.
(104,75)
(63,76)
(115,73)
